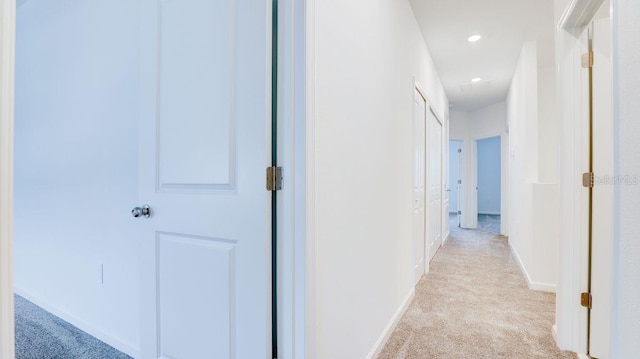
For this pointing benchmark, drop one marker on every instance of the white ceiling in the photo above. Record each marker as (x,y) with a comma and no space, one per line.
(504,25)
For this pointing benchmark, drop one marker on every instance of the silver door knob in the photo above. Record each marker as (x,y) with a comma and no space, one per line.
(144,211)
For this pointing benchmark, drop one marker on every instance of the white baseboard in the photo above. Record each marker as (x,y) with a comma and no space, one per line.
(554,333)
(539,286)
(382,340)
(583,356)
(446,237)
(82,325)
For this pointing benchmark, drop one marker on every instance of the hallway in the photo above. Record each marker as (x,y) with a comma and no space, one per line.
(475,303)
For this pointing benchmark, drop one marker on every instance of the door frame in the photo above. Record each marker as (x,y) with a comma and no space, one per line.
(504,163)
(571,328)
(7,63)
(296,277)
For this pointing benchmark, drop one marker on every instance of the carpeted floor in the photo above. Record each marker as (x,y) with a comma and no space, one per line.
(41,335)
(475,303)
(489,223)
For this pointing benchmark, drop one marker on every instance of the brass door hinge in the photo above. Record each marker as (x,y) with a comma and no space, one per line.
(587,179)
(586,300)
(274,178)
(587,60)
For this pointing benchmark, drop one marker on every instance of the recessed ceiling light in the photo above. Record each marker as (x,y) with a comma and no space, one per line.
(476,79)
(474,38)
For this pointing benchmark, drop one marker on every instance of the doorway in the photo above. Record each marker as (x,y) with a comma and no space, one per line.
(488,183)
(97,146)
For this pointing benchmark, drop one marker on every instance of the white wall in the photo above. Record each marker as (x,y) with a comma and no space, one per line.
(626,55)
(76,164)
(533,222)
(486,122)
(488,165)
(367,54)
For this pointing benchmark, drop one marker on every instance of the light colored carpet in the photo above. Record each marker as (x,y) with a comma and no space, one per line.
(475,303)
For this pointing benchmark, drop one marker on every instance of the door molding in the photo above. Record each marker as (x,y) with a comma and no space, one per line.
(7,63)
(306,306)
(579,13)
(295,228)
(571,319)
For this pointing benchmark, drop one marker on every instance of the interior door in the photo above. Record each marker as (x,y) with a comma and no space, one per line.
(204,144)
(455,149)
(434,131)
(419,180)
(602,225)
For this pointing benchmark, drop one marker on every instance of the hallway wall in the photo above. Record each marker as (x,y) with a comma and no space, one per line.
(76,164)
(533,149)
(626,271)
(367,55)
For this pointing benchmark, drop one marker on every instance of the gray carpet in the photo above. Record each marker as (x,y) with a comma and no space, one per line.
(475,303)
(489,223)
(41,335)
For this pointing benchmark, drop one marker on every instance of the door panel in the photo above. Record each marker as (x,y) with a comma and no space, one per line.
(435,183)
(419,180)
(195,90)
(201,270)
(602,226)
(204,145)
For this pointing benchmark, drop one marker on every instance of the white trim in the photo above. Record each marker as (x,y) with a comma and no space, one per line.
(386,333)
(554,333)
(583,356)
(7,63)
(82,325)
(579,13)
(539,286)
(571,319)
(310,260)
(291,215)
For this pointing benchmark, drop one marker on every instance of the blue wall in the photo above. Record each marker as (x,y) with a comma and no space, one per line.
(489,176)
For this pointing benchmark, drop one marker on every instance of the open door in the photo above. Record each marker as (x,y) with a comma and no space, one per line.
(204,144)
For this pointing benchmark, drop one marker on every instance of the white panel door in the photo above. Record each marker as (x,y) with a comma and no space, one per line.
(602,225)
(204,146)
(419,182)
(434,173)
